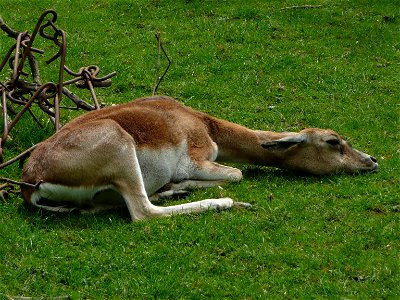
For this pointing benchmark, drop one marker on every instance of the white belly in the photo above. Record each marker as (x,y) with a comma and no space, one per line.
(161,167)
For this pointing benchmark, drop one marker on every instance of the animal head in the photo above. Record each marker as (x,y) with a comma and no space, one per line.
(320,152)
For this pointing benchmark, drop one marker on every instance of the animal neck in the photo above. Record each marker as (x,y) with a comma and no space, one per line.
(237,143)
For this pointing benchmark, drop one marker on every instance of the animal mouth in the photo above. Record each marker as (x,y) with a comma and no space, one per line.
(372,169)
(375,168)
(370,165)
(375,165)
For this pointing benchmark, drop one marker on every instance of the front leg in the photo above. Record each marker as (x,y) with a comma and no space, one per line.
(208,174)
(212,171)
(181,189)
(213,174)
(187,185)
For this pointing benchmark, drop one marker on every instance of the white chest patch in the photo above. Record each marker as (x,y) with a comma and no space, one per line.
(161,167)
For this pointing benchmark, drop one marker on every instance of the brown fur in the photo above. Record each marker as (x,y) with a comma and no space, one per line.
(95,149)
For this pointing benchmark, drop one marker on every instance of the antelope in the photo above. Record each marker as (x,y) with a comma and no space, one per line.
(134,154)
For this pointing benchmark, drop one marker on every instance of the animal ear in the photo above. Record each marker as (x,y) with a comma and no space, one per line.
(284,143)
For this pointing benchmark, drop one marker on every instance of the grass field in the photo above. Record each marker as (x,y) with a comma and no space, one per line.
(254,63)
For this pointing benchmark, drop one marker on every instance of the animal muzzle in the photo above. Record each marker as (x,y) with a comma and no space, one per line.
(375,165)
(370,163)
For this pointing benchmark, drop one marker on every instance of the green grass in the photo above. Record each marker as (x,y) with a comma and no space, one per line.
(263,67)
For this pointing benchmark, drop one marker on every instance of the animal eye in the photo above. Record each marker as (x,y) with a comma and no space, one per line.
(333,142)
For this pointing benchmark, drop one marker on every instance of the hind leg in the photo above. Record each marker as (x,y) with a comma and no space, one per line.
(123,172)
(141,208)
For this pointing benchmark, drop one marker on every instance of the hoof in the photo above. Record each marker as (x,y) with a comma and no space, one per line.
(242,205)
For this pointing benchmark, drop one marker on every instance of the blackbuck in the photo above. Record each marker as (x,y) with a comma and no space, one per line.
(133,154)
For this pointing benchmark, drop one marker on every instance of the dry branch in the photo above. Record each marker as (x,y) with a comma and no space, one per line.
(7,29)
(47,97)
(159,78)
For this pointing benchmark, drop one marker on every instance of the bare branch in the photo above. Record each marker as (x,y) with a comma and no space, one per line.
(23,155)
(33,63)
(158,63)
(160,78)
(7,29)
(47,96)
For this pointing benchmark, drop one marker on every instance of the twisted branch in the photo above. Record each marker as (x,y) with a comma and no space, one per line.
(46,96)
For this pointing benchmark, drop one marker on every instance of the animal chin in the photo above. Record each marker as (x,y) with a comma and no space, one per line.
(371,169)
(374,168)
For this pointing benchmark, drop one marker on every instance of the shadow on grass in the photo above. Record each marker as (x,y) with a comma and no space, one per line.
(255,172)
(73,220)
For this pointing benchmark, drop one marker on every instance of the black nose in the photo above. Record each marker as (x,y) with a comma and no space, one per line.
(373,159)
